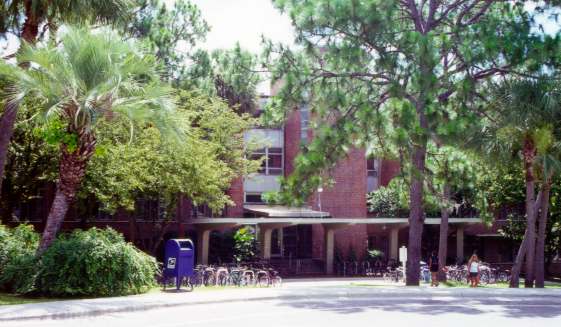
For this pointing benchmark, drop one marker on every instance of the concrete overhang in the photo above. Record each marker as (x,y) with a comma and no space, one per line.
(325,221)
(274,211)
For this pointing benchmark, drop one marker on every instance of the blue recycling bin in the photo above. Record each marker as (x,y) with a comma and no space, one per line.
(179,260)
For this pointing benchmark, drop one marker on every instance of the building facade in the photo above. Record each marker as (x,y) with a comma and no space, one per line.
(334,226)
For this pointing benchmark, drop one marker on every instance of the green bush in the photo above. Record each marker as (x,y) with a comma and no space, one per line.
(95,262)
(393,201)
(245,247)
(17,258)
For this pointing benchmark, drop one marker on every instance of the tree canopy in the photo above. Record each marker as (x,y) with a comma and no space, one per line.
(414,65)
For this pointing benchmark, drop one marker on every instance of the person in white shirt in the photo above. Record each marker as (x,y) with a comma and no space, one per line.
(473,270)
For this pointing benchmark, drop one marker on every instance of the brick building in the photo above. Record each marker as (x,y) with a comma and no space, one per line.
(335,222)
(334,225)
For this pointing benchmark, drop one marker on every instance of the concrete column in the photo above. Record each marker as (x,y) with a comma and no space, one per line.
(329,250)
(460,243)
(265,242)
(203,238)
(394,243)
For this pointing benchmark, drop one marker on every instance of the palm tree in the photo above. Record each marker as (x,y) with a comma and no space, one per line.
(87,77)
(520,124)
(26,17)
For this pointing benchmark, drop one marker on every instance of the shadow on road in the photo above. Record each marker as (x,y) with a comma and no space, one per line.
(513,308)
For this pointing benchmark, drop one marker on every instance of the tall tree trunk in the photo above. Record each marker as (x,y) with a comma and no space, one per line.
(416,217)
(30,29)
(8,119)
(443,239)
(529,155)
(540,243)
(528,246)
(7,122)
(72,168)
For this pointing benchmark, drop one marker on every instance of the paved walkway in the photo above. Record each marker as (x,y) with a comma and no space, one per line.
(321,290)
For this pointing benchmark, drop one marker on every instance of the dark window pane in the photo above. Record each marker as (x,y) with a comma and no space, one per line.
(275,150)
(253,198)
(275,171)
(275,161)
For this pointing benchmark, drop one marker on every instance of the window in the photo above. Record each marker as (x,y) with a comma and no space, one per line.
(253,198)
(304,123)
(372,167)
(147,209)
(273,162)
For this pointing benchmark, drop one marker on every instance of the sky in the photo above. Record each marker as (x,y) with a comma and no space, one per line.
(244,21)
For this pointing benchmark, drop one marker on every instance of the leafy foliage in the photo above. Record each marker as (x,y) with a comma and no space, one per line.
(170,32)
(31,164)
(375,254)
(230,74)
(95,263)
(17,252)
(245,246)
(51,14)
(200,164)
(389,74)
(386,201)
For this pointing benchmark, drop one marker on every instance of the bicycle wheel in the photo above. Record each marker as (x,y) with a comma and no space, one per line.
(502,277)
(187,283)
(277,281)
(484,278)
(209,280)
(263,281)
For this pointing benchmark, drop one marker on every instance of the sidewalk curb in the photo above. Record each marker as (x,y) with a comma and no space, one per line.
(128,308)
(389,293)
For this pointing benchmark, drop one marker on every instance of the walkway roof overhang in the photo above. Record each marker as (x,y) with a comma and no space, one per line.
(274,211)
(288,221)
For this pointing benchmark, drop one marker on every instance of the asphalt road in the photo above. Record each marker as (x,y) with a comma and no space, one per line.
(343,306)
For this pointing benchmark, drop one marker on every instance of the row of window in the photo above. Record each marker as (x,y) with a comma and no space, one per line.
(372,167)
(272,164)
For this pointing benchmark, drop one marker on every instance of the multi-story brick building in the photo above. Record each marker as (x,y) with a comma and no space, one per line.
(335,223)
(336,219)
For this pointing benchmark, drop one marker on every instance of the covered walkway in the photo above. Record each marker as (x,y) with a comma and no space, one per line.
(279,217)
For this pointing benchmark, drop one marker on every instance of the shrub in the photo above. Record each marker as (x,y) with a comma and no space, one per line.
(95,262)
(17,258)
(393,201)
(245,247)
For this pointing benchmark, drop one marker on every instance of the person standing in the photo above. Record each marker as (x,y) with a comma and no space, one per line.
(474,269)
(433,266)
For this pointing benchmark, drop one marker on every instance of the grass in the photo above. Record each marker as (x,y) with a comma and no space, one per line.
(452,283)
(10,299)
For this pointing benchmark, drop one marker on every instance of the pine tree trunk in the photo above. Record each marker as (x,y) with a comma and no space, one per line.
(416,217)
(71,172)
(8,119)
(443,239)
(540,243)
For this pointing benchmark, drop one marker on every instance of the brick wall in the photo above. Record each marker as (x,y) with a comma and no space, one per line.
(388,170)
(236,194)
(347,197)
(291,141)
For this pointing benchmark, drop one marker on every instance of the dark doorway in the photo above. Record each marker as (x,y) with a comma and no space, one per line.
(297,242)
